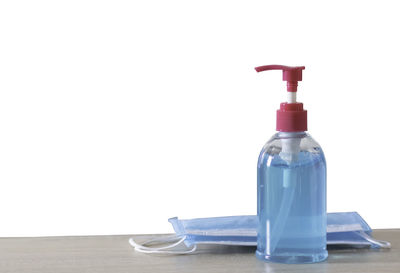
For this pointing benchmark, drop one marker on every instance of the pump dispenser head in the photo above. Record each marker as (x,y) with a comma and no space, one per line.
(291,74)
(291,117)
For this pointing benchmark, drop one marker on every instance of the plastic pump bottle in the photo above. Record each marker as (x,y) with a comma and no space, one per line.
(291,185)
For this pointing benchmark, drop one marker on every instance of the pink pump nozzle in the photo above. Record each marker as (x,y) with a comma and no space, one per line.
(291,117)
(291,74)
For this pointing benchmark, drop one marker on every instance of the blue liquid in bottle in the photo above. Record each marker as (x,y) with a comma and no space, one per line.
(291,206)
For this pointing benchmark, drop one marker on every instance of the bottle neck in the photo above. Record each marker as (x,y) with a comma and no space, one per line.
(292,134)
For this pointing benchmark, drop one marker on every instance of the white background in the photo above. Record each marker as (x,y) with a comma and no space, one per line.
(116,115)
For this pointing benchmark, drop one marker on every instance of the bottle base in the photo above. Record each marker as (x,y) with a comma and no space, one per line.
(293,258)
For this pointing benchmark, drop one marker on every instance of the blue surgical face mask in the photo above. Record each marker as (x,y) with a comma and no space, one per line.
(346,228)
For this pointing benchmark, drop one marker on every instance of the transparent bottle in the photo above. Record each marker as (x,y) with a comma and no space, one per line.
(291,200)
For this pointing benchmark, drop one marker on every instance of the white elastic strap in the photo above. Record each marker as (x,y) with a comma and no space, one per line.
(381,244)
(174,240)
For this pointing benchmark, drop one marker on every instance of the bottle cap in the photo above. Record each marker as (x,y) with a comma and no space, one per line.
(291,117)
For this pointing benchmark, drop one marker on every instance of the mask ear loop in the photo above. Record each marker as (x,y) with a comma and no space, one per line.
(174,240)
(375,243)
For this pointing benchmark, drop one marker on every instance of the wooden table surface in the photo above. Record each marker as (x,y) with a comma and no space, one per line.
(113,254)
